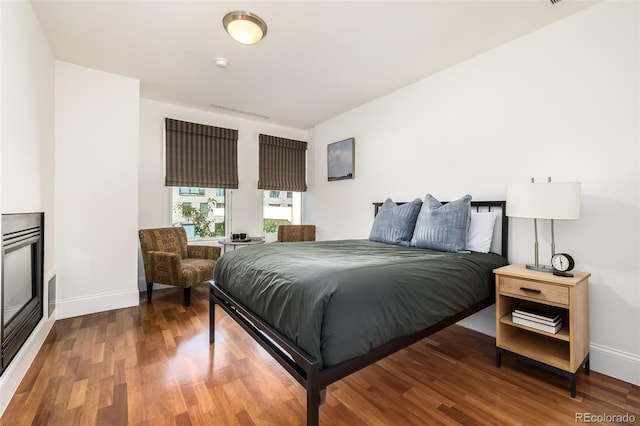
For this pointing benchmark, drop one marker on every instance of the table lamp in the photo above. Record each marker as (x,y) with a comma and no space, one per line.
(549,200)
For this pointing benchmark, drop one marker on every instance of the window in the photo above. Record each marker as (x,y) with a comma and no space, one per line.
(280,210)
(282,174)
(204,221)
(201,160)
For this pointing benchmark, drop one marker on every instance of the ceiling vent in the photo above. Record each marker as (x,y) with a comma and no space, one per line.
(239,111)
(555,1)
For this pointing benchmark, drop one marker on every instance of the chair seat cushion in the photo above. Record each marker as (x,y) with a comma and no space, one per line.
(197,271)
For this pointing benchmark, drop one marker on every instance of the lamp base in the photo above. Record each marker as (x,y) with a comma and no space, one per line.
(541,268)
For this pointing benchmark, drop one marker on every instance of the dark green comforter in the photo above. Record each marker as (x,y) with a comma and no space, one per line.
(339,299)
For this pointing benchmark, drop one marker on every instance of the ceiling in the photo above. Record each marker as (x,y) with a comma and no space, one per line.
(319,58)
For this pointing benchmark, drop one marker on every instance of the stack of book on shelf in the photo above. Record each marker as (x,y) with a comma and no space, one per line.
(540,320)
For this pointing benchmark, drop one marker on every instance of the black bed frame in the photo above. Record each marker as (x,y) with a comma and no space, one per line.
(305,369)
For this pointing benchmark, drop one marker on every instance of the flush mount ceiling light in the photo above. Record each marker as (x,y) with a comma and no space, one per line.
(244,27)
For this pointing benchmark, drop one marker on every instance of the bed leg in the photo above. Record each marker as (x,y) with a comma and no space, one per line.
(313,408)
(212,318)
(313,398)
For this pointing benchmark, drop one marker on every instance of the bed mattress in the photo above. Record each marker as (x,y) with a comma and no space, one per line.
(340,299)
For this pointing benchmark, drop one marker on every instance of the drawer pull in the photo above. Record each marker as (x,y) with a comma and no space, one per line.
(530,290)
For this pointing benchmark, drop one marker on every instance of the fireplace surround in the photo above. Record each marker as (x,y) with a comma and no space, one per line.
(22,281)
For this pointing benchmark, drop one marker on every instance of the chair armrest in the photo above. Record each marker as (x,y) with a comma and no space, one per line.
(166,268)
(203,252)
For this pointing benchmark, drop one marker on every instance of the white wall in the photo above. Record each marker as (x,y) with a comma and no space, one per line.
(97,131)
(26,150)
(560,102)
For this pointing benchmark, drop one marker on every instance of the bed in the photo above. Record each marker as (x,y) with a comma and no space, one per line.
(326,309)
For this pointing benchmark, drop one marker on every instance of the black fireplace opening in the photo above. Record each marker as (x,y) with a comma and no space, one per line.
(22,281)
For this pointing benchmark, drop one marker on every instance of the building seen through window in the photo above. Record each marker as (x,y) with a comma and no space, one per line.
(200,211)
(186,190)
(280,208)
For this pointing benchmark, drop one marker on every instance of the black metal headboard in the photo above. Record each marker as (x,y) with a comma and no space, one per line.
(484,206)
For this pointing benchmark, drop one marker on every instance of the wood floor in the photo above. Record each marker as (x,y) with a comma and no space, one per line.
(153,365)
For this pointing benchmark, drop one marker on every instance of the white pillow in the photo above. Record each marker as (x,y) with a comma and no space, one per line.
(481,231)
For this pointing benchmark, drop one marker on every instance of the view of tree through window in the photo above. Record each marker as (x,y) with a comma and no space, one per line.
(280,208)
(200,211)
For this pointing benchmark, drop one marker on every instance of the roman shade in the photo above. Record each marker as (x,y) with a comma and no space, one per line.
(198,155)
(283,164)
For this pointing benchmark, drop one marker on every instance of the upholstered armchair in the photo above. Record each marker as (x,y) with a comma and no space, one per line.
(291,233)
(169,260)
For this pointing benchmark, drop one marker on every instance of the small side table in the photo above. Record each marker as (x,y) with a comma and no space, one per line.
(228,242)
(563,352)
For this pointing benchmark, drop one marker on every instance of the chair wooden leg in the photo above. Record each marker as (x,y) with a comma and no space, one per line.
(187,296)
(149,291)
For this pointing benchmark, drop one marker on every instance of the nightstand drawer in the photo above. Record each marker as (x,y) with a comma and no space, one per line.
(534,290)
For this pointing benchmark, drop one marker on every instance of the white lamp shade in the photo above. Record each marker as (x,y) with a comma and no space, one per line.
(551,200)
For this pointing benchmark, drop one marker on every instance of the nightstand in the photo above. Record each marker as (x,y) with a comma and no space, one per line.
(563,352)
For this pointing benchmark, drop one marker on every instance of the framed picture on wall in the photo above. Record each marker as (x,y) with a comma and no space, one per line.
(340,160)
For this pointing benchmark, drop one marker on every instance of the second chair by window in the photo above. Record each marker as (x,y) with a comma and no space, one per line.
(293,233)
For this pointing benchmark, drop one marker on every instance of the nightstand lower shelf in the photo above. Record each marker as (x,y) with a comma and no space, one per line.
(556,352)
(556,370)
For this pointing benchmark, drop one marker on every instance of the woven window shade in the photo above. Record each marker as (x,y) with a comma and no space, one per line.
(200,156)
(283,164)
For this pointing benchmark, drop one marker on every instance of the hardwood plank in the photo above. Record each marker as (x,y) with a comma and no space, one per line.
(152,365)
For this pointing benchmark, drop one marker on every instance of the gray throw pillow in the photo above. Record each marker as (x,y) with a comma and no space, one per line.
(443,227)
(394,224)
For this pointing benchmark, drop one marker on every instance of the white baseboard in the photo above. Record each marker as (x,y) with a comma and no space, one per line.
(67,308)
(608,361)
(612,362)
(17,369)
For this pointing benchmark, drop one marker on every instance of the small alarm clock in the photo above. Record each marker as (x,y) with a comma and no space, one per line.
(562,262)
